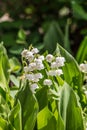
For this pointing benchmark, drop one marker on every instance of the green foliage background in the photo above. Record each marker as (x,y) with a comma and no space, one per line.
(44,24)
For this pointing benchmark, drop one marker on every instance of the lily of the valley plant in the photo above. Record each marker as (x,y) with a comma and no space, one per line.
(49,95)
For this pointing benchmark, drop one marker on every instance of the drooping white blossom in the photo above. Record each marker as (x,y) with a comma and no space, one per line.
(38,76)
(58,72)
(47,82)
(24,52)
(49,58)
(51,73)
(53,65)
(33,87)
(41,57)
(30,77)
(29,56)
(60,61)
(83,67)
(34,50)
(26,69)
(32,66)
(38,61)
(40,66)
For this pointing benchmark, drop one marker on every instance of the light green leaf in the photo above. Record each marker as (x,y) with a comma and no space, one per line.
(46,120)
(15,117)
(14,64)
(60,123)
(29,107)
(3,124)
(70,110)
(4,68)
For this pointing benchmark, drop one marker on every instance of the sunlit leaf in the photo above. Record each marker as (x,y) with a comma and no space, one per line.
(14,64)
(4,68)
(46,120)
(72,74)
(70,109)
(15,117)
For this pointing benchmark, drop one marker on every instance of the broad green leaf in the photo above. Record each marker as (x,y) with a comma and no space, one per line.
(70,110)
(46,120)
(82,51)
(53,35)
(4,68)
(15,117)
(14,64)
(3,124)
(29,107)
(42,98)
(72,74)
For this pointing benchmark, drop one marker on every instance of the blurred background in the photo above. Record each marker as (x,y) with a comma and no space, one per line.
(44,23)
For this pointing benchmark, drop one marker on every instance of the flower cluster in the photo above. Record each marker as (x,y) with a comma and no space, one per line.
(35,63)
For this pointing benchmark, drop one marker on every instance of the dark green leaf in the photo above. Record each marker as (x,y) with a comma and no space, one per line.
(42,98)
(29,107)
(82,51)
(53,36)
(78,11)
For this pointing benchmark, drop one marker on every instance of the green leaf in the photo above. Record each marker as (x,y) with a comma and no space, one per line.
(29,107)
(42,97)
(78,11)
(70,110)
(4,68)
(72,74)
(14,64)
(7,99)
(53,35)
(15,117)
(4,108)
(14,80)
(82,51)
(60,123)
(46,120)
(3,124)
